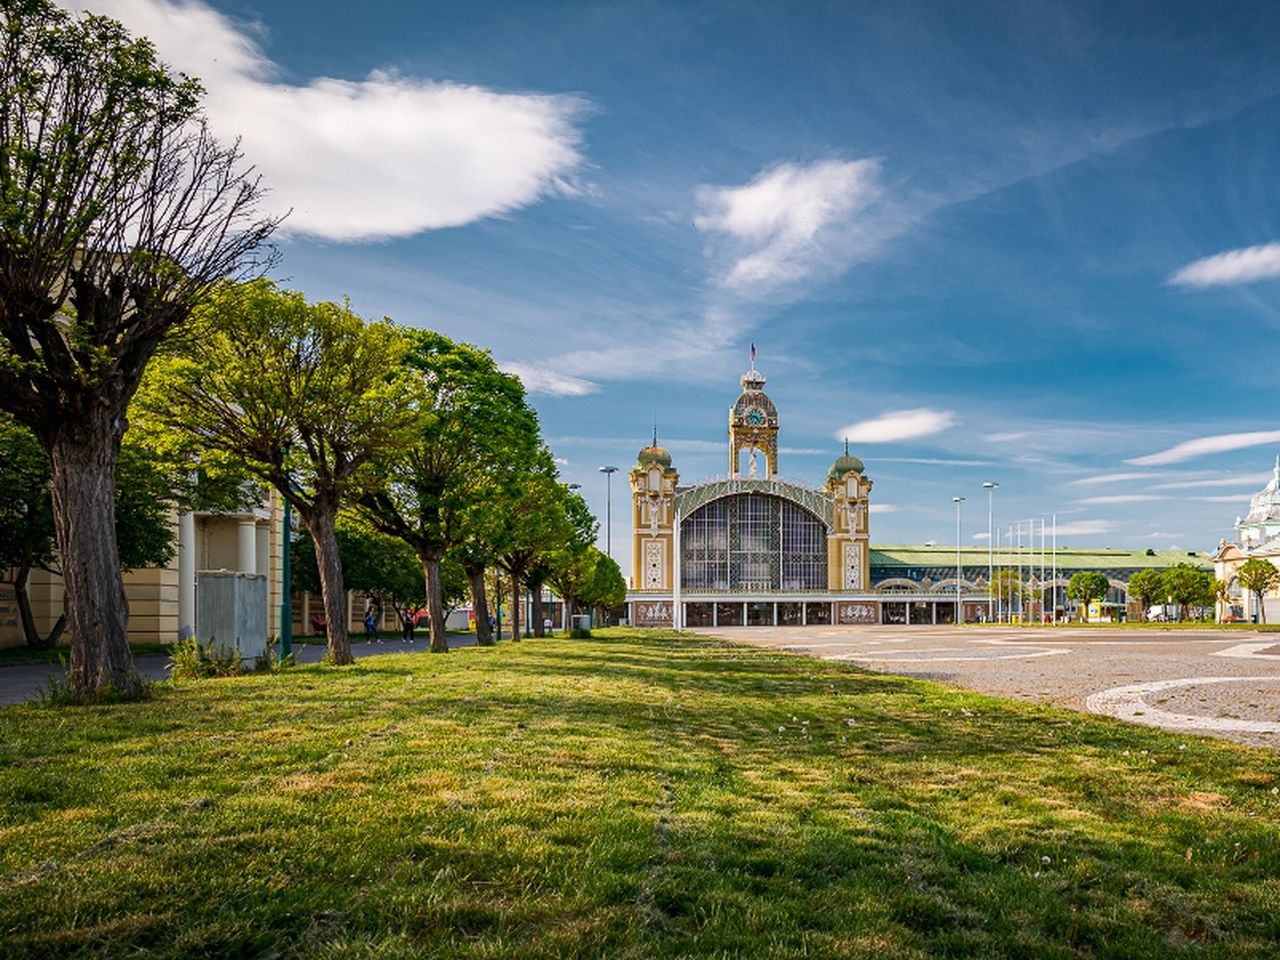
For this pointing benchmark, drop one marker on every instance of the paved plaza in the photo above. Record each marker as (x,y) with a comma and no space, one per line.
(1215,682)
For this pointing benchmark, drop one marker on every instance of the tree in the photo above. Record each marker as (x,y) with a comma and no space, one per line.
(308,396)
(578,533)
(117,211)
(1085,587)
(536,525)
(474,432)
(1147,587)
(143,497)
(1258,576)
(383,568)
(589,578)
(1188,586)
(1005,587)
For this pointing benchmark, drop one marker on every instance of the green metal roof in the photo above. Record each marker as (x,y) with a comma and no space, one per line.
(1074,558)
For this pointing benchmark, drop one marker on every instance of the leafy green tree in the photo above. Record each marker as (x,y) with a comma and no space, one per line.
(1258,576)
(1147,587)
(1005,587)
(1085,587)
(143,497)
(117,211)
(1188,586)
(536,526)
(309,397)
(588,578)
(578,533)
(474,433)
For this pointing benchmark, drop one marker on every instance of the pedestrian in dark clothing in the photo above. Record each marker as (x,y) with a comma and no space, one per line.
(370,625)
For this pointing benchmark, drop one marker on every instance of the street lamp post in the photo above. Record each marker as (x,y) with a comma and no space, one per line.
(957,501)
(608,509)
(990,487)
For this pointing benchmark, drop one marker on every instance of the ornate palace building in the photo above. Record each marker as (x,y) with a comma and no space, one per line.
(752,549)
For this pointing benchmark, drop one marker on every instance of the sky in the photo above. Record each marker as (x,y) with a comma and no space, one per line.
(1031,243)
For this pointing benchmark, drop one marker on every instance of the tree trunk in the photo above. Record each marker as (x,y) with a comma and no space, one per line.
(538,614)
(320,522)
(570,608)
(480,605)
(83,456)
(30,635)
(515,606)
(430,557)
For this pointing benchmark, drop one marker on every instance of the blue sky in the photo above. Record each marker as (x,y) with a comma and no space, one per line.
(1032,243)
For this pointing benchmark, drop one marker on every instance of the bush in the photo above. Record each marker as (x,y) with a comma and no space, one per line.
(191,660)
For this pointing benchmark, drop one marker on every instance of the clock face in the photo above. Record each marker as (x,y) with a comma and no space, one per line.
(755,417)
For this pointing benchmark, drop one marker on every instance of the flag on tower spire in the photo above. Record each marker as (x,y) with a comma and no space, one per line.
(753,356)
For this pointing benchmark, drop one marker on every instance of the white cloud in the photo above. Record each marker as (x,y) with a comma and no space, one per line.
(898,425)
(883,508)
(1108,478)
(385,156)
(781,226)
(1082,528)
(548,381)
(1164,536)
(982,536)
(936,461)
(1205,445)
(1245,265)
(1010,437)
(1122,498)
(1252,478)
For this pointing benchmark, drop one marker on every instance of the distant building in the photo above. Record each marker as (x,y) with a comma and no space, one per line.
(1258,535)
(753,549)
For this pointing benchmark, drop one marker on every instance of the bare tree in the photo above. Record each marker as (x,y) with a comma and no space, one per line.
(118,209)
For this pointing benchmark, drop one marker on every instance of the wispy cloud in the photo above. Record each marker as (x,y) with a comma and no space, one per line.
(982,536)
(547,381)
(1201,446)
(1122,498)
(1082,528)
(898,425)
(1165,536)
(883,508)
(1236,481)
(386,156)
(780,226)
(1108,478)
(935,461)
(1245,265)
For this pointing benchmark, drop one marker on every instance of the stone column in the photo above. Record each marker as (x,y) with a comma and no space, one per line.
(247,546)
(186,575)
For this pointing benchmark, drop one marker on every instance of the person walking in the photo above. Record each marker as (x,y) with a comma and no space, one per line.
(371,625)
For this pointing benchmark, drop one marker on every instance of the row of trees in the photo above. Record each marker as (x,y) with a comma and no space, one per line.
(131,248)
(1182,584)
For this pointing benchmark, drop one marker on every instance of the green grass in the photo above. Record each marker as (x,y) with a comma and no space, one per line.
(635,795)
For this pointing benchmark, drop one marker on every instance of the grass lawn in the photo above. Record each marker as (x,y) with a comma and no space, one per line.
(637,795)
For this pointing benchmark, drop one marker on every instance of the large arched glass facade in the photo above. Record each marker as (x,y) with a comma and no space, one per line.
(753,541)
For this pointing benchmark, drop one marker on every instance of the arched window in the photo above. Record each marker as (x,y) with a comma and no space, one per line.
(753,542)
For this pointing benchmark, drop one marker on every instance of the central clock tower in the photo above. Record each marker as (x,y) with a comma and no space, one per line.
(753,427)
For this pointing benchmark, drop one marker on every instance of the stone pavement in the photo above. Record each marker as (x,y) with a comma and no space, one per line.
(20,682)
(1216,682)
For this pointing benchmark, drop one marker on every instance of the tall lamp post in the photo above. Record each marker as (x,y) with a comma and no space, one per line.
(608,509)
(957,501)
(990,487)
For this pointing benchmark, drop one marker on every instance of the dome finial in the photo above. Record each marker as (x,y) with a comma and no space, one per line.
(655,429)
(846,446)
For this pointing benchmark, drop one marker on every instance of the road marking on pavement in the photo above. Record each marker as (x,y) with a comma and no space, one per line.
(1127,703)
(1029,654)
(1251,651)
